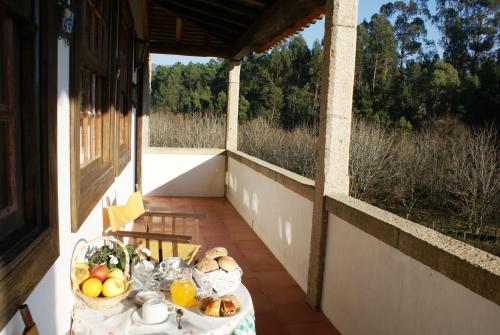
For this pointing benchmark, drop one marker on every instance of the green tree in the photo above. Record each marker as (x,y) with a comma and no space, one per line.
(409,28)
(444,84)
(469,32)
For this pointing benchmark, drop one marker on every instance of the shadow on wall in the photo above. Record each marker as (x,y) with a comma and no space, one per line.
(173,176)
(280,217)
(250,200)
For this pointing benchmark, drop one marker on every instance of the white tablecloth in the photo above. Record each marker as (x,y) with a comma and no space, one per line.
(118,320)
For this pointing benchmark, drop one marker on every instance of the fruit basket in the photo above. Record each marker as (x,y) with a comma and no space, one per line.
(98,285)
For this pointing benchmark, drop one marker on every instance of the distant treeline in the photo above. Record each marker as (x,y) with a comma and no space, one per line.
(400,77)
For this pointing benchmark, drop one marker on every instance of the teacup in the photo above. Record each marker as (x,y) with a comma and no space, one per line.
(156,310)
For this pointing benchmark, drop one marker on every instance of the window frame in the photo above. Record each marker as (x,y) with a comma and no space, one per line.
(123,151)
(39,249)
(90,182)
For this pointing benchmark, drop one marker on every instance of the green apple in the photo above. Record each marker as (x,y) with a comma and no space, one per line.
(116,273)
(113,287)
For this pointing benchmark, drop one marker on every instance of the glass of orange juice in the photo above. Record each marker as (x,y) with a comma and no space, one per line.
(183,289)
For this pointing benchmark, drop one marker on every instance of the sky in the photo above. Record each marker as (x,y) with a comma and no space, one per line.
(366,9)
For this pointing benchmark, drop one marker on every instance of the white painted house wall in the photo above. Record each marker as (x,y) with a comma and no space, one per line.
(372,288)
(183,172)
(281,218)
(51,301)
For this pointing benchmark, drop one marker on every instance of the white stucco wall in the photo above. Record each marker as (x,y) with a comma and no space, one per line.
(280,217)
(51,301)
(372,288)
(183,174)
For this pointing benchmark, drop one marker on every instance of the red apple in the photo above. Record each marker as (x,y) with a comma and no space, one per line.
(100,272)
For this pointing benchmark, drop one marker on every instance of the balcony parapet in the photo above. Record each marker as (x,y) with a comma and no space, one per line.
(183,151)
(292,181)
(475,269)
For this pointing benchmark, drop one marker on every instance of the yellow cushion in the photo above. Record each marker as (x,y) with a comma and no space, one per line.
(121,215)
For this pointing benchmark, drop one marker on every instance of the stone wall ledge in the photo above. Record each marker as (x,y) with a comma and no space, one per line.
(183,151)
(473,268)
(292,181)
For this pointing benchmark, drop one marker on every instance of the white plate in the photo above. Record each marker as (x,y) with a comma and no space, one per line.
(136,317)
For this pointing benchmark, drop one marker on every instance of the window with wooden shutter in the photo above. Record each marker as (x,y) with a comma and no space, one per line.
(11,183)
(92,156)
(101,108)
(93,79)
(28,180)
(124,78)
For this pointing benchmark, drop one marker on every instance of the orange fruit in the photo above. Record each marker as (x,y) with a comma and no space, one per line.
(92,287)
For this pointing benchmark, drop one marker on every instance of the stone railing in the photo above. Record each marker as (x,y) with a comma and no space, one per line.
(387,275)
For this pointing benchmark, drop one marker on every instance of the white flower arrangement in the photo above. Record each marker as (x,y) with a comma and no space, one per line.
(113,260)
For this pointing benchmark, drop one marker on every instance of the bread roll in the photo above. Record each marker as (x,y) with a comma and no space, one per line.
(213,308)
(216,252)
(227,263)
(207,265)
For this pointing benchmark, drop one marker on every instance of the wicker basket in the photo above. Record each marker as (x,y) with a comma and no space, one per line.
(79,255)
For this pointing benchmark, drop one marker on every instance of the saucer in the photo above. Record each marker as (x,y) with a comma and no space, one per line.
(137,318)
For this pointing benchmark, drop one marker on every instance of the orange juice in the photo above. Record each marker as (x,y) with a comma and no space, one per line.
(183,292)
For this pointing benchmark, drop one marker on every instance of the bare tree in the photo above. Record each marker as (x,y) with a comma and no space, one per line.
(434,148)
(294,150)
(186,131)
(473,177)
(410,160)
(370,157)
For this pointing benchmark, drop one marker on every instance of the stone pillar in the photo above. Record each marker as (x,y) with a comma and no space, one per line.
(233,95)
(332,171)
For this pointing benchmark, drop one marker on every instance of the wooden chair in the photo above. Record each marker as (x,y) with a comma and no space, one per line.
(165,234)
(29,324)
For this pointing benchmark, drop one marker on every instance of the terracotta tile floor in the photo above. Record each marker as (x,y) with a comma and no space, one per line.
(280,306)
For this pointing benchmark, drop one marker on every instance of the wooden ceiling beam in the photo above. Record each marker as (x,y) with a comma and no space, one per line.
(213,27)
(232,8)
(145,19)
(251,3)
(273,21)
(188,50)
(178,29)
(198,9)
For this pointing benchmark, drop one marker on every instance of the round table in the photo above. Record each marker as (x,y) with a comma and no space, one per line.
(118,320)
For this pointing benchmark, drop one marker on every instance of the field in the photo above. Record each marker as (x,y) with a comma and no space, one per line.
(445,176)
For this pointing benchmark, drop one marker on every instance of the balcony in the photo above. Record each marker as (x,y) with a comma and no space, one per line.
(383,274)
